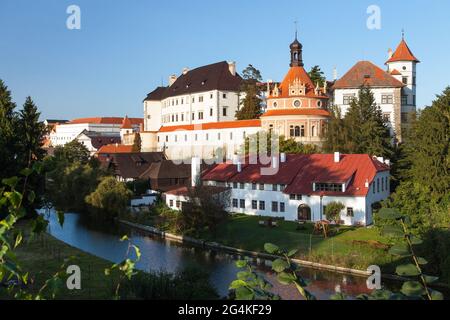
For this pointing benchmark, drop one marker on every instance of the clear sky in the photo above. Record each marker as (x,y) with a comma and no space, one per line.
(126,48)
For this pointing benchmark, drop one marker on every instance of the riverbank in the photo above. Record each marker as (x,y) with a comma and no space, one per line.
(44,255)
(348,247)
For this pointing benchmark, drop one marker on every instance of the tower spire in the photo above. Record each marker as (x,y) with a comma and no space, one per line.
(296,51)
(296,30)
(403,34)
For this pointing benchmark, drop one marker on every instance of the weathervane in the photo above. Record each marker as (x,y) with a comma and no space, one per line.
(295,22)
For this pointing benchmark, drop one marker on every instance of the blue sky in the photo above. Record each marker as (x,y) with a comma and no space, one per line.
(126,48)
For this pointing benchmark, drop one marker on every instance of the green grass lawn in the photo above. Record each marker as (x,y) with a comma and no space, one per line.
(349,247)
(44,255)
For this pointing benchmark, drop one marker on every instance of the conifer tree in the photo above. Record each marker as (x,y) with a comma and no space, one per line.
(317,75)
(251,104)
(335,133)
(8,141)
(137,143)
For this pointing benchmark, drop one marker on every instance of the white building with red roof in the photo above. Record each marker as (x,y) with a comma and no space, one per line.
(394,89)
(299,187)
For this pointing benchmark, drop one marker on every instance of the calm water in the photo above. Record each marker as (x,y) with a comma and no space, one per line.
(159,254)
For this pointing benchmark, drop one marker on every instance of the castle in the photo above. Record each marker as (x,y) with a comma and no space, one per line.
(195,114)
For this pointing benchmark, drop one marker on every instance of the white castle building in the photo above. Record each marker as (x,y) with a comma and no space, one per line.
(195,114)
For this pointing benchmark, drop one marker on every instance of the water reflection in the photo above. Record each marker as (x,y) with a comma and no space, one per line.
(102,240)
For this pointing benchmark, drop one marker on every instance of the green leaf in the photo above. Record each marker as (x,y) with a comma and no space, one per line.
(430,279)
(392,231)
(381,295)
(413,289)
(31,196)
(237,284)
(244,293)
(285,278)
(279,265)
(38,166)
(124,238)
(271,248)
(245,275)
(415,240)
(292,253)
(401,250)
(422,261)
(60,217)
(11,182)
(39,225)
(436,295)
(389,214)
(14,198)
(26,172)
(409,270)
(241,263)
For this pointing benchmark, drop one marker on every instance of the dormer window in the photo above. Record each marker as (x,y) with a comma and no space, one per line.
(334,187)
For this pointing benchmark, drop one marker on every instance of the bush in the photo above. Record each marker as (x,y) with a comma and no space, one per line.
(333,211)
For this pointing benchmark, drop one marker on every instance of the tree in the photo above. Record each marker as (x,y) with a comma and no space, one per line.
(8,141)
(71,152)
(333,211)
(110,198)
(335,133)
(251,104)
(317,76)
(137,143)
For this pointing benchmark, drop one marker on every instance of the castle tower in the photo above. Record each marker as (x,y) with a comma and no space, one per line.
(126,128)
(402,65)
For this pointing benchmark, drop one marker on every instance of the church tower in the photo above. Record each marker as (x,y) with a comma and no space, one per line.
(296,53)
(402,65)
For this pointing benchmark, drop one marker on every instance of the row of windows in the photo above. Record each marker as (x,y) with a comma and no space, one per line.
(259,205)
(196,137)
(177,101)
(381,184)
(257,186)
(178,204)
(385,99)
(335,187)
(181,116)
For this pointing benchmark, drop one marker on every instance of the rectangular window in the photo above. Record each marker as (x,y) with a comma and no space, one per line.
(176,138)
(235,203)
(254,204)
(210,95)
(349,212)
(414,80)
(274,206)
(170,203)
(185,137)
(282,208)
(405,80)
(253,186)
(335,187)
(291,131)
(274,187)
(211,112)
(182,117)
(178,205)
(242,203)
(200,99)
(235,185)
(200,115)
(302,131)
(282,187)
(262,205)
(299,197)
(193,116)
(224,95)
(218,136)
(231,135)
(207,136)
(224,112)
(387,99)
(292,196)
(404,100)
(378,184)
(196,137)
(167,138)
(241,185)
(387,116)
(261,186)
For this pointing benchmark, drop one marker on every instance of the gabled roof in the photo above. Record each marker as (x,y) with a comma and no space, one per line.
(166,169)
(294,73)
(402,53)
(115,148)
(106,120)
(132,165)
(213,125)
(216,76)
(299,172)
(301,111)
(366,73)
(126,123)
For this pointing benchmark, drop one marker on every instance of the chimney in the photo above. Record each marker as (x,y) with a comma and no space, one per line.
(239,166)
(283,157)
(195,170)
(185,70)
(172,79)
(390,53)
(232,67)
(337,157)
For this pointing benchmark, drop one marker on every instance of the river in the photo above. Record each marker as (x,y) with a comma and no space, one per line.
(159,254)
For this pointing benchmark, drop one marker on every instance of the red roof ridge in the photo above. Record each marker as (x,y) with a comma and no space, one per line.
(115,148)
(402,53)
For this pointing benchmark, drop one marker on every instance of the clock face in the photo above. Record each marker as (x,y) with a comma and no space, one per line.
(297,103)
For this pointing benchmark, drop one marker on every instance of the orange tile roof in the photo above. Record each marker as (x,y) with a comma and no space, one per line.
(296,73)
(106,120)
(214,125)
(402,53)
(126,123)
(395,72)
(115,148)
(366,73)
(295,112)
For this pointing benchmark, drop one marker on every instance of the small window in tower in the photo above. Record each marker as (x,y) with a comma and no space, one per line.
(275,104)
(319,104)
(405,80)
(297,103)
(404,67)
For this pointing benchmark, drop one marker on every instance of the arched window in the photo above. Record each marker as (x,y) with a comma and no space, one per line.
(297,131)
(302,131)
(313,131)
(291,131)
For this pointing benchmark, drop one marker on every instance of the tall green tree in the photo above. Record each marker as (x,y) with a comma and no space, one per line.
(251,103)
(336,133)
(8,140)
(317,75)
(71,152)
(137,143)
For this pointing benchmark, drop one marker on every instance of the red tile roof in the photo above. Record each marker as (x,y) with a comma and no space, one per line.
(402,53)
(299,172)
(126,123)
(395,72)
(300,73)
(292,112)
(115,148)
(106,120)
(184,191)
(366,73)
(214,125)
